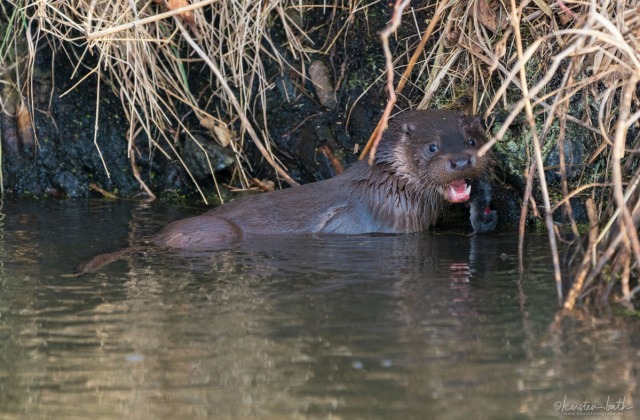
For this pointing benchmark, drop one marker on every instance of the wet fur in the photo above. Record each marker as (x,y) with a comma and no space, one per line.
(401,192)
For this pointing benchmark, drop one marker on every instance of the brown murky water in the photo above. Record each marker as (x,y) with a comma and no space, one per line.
(426,326)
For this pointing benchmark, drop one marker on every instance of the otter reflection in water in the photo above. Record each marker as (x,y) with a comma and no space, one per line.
(425,159)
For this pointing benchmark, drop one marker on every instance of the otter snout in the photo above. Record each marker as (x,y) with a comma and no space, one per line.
(460,163)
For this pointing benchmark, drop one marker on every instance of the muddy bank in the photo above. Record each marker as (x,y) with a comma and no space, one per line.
(317,124)
(60,150)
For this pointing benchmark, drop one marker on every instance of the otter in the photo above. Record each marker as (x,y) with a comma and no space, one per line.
(425,159)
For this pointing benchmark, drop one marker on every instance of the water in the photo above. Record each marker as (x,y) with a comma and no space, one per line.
(424,326)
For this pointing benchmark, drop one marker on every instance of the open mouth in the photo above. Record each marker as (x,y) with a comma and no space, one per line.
(458,191)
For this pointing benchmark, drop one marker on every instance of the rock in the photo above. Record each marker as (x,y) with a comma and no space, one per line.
(205,155)
(319,74)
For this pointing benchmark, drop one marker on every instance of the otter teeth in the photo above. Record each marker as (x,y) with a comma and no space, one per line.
(456,195)
(459,191)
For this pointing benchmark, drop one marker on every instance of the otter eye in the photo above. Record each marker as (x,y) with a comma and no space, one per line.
(472,143)
(433,148)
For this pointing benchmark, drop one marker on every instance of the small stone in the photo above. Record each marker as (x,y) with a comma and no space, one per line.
(319,74)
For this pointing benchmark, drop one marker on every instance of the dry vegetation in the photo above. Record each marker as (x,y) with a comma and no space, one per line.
(590,51)
(140,54)
(542,64)
(574,62)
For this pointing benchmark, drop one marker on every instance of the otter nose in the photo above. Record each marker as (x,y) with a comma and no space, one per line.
(461,163)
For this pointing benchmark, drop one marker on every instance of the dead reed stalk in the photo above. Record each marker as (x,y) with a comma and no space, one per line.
(141,56)
(568,64)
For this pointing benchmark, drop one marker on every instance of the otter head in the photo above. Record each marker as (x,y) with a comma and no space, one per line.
(436,150)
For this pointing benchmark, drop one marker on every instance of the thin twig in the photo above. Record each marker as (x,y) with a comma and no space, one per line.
(627,227)
(150,19)
(523,214)
(407,71)
(515,19)
(230,95)
(136,175)
(391,28)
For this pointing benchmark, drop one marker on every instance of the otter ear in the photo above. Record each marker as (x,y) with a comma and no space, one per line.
(408,128)
(476,122)
(471,124)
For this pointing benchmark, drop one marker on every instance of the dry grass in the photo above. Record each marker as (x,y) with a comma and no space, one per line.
(532,59)
(140,55)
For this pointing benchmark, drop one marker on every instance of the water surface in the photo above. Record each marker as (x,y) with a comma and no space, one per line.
(415,326)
